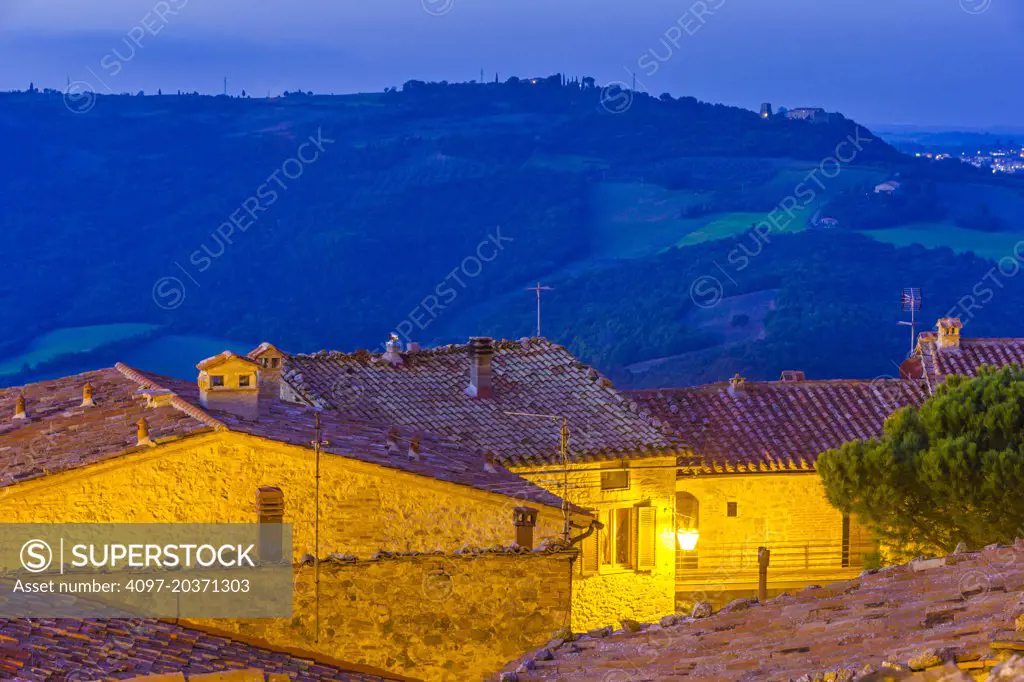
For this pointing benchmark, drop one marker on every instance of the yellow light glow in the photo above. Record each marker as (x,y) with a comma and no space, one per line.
(688,539)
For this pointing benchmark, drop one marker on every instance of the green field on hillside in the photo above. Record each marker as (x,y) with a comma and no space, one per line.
(994,245)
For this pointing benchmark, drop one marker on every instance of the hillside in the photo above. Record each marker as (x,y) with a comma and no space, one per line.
(429,209)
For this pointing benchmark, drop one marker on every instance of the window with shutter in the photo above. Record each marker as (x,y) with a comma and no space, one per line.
(589,560)
(646,538)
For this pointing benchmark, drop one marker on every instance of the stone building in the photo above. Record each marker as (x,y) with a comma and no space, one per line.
(400,507)
(751,480)
(507,400)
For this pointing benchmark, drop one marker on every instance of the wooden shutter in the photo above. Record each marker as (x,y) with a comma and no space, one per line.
(590,555)
(646,537)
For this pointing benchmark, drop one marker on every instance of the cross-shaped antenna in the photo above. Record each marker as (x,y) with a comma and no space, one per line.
(539,289)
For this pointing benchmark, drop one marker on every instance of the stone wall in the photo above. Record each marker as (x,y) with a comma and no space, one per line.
(214,478)
(432,617)
(612,594)
(787,512)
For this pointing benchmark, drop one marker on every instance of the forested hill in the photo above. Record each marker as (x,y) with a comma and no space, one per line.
(329,221)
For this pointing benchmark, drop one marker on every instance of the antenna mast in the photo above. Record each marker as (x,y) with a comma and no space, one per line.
(563,452)
(539,289)
(318,442)
(910,301)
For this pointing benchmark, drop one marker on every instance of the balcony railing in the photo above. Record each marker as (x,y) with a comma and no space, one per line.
(737,562)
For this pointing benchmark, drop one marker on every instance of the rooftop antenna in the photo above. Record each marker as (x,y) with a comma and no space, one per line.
(317,444)
(910,301)
(563,452)
(539,289)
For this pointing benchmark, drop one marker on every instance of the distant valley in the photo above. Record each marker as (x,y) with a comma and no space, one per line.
(684,241)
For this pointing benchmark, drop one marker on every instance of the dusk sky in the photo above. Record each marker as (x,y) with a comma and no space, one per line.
(924,62)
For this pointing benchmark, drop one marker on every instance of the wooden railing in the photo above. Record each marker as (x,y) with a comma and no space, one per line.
(790,561)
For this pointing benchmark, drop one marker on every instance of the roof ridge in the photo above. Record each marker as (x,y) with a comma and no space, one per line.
(718,385)
(499,344)
(176,400)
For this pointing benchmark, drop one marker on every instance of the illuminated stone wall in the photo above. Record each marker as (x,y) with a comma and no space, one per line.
(214,478)
(613,594)
(431,617)
(390,614)
(787,512)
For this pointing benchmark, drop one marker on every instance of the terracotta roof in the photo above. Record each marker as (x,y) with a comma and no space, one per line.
(439,457)
(775,425)
(60,434)
(426,389)
(221,358)
(961,609)
(111,649)
(938,363)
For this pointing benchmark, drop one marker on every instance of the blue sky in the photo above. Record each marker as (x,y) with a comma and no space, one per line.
(925,62)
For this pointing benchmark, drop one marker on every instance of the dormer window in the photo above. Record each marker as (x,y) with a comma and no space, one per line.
(274,362)
(216,379)
(243,381)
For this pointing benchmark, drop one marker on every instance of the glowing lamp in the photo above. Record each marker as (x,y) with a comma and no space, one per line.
(688,539)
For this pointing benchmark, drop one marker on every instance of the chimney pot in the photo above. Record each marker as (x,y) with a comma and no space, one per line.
(270,514)
(525,520)
(143,433)
(392,350)
(793,375)
(735,384)
(481,349)
(19,407)
(414,449)
(87,400)
(391,445)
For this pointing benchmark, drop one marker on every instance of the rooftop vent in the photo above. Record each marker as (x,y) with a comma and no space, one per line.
(792,376)
(143,434)
(19,407)
(87,400)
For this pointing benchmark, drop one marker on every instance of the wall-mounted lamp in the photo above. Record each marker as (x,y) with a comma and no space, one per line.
(687,538)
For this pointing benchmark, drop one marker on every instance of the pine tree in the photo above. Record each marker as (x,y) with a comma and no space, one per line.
(949,472)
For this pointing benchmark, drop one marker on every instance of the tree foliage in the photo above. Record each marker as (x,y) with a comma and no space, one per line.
(949,472)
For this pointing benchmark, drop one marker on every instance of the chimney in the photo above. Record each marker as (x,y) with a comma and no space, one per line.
(481,348)
(230,383)
(270,515)
(735,384)
(392,351)
(87,396)
(412,347)
(525,520)
(792,376)
(19,407)
(949,333)
(414,449)
(143,433)
(271,363)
